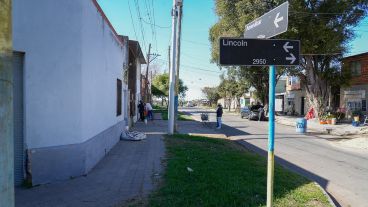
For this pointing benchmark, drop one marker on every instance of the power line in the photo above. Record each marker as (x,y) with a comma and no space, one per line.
(140,23)
(323,13)
(194,67)
(155,25)
(131,17)
(197,43)
(149,14)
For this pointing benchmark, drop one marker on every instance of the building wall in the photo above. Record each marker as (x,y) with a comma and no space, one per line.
(72,62)
(51,42)
(357,93)
(363,59)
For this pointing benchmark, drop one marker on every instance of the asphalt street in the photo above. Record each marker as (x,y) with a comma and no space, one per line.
(342,172)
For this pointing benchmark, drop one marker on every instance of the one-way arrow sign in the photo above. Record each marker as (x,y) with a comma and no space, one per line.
(259,52)
(270,24)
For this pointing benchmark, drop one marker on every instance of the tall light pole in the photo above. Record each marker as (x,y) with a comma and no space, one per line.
(6,106)
(178,42)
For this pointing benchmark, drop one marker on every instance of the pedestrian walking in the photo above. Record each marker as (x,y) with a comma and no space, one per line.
(141,110)
(219,116)
(149,111)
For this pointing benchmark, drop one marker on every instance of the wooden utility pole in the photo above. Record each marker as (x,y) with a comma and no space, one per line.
(146,83)
(6,106)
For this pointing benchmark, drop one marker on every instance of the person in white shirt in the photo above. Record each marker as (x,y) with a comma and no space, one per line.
(149,111)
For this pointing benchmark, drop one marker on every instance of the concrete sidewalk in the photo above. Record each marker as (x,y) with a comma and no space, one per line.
(130,170)
(314,126)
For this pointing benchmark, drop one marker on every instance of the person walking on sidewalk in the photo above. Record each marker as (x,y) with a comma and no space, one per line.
(141,110)
(149,111)
(219,116)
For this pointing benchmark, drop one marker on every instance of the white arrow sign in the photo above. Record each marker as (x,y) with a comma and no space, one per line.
(291,58)
(270,24)
(277,20)
(287,47)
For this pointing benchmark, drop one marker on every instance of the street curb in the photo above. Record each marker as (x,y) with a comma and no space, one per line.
(245,145)
(326,194)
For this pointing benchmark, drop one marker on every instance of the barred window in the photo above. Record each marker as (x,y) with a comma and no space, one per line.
(119,88)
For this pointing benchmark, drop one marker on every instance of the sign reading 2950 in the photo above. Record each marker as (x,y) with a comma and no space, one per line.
(258,52)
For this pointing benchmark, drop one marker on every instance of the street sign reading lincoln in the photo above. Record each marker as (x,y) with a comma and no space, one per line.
(270,24)
(259,52)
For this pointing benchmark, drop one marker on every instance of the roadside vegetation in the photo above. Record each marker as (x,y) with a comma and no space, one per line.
(163,110)
(215,172)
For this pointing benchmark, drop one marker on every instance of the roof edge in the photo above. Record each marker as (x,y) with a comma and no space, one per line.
(99,9)
(356,55)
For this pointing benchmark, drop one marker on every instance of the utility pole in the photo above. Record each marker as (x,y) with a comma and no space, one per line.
(146,83)
(151,87)
(171,112)
(178,41)
(6,106)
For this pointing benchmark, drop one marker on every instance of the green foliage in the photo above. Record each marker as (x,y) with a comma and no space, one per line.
(211,94)
(160,86)
(324,28)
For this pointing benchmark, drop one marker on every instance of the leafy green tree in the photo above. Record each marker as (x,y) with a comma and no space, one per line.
(211,94)
(160,87)
(232,87)
(324,28)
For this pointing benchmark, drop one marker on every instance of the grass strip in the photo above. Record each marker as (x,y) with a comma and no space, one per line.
(182,116)
(224,174)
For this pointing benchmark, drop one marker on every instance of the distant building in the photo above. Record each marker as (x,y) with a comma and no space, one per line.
(280,95)
(68,88)
(136,59)
(355,97)
(294,98)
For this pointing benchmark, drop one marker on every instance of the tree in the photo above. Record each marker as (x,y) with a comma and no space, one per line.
(211,94)
(160,87)
(231,86)
(324,28)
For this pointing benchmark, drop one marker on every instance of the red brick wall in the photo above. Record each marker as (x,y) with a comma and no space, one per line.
(363,78)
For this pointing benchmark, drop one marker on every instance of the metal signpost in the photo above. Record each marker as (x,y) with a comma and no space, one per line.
(263,52)
(270,24)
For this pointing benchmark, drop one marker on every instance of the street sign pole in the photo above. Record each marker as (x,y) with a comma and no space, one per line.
(271,135)
(255,52)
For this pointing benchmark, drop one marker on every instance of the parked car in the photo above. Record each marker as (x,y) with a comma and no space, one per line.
(244,113)
(254,115)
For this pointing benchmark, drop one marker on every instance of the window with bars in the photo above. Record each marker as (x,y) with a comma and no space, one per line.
(119,87)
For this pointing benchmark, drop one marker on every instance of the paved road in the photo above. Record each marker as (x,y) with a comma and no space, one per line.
(342,172)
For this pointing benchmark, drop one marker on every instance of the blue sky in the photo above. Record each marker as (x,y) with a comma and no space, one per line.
(196,69)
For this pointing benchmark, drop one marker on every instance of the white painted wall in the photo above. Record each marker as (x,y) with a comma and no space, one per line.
(71,63)
(102,64)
